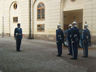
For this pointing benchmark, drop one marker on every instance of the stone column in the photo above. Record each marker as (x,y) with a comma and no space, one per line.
(61,13)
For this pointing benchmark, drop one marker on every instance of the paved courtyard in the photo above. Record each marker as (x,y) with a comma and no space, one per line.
(40,56)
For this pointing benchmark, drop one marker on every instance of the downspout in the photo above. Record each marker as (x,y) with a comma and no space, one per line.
(9,24)
(33,18)
(30,34)
(3,22)
(9,21)
(2,26)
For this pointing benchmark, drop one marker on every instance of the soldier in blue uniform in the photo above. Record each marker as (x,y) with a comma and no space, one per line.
(75,40)
(59,39)
(86,38)
(69,40)
(18,36)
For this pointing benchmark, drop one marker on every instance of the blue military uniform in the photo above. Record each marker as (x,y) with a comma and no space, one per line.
(18,37)
(86,38)
(65,32)
(59,40)
(69,41)
(80,42)
(75,41)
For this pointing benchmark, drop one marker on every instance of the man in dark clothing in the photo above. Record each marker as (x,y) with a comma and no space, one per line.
(86,38)
(75,40)
(18,36)
(59,40)
(69,40)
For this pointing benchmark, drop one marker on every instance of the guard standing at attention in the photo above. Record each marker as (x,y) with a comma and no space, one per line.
(18,36)
(69,40)
(86,38)
(59,39)
(75,40)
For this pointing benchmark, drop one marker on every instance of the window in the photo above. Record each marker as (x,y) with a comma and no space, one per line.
(40,27)
(15,6)
(73,0)
(40,11)
(15,19)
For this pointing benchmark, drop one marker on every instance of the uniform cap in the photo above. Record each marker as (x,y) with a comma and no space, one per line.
(86,25)
(59,25)
(74,22)
(70,25)
(18,24)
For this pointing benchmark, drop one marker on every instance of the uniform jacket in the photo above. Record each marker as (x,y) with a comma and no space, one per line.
(75,36)
(69,35)
(86,35)
(59,36)
(18,33)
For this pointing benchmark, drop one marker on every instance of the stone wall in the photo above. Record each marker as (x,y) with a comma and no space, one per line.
(52,17)
(73,5)
(45,37)
(8,12)
(90,15)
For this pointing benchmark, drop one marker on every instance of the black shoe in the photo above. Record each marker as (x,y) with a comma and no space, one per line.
(69,54)
(73,58)
(85,56)
(19,50)
(58,55)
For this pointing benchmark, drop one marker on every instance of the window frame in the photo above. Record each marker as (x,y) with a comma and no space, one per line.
(15,19)
(41,9)
(15,5)
(40,28)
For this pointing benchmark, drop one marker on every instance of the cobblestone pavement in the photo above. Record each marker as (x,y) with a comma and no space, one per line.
(40,56)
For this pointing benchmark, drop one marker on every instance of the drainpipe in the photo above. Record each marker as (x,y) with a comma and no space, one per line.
(2,26)
(9,23)
(30,34)
(3,21)
(33,18)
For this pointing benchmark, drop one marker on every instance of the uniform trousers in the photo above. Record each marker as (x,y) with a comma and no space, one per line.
(18,44)
(85,48)
(75,50)
(70,47)
(59,47)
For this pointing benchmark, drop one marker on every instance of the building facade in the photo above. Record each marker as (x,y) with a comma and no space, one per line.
(39,18)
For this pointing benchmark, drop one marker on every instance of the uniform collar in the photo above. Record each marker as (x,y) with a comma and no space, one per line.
(85,29)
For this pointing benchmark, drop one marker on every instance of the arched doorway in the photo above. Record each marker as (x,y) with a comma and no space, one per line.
(13,17)
(74,15)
